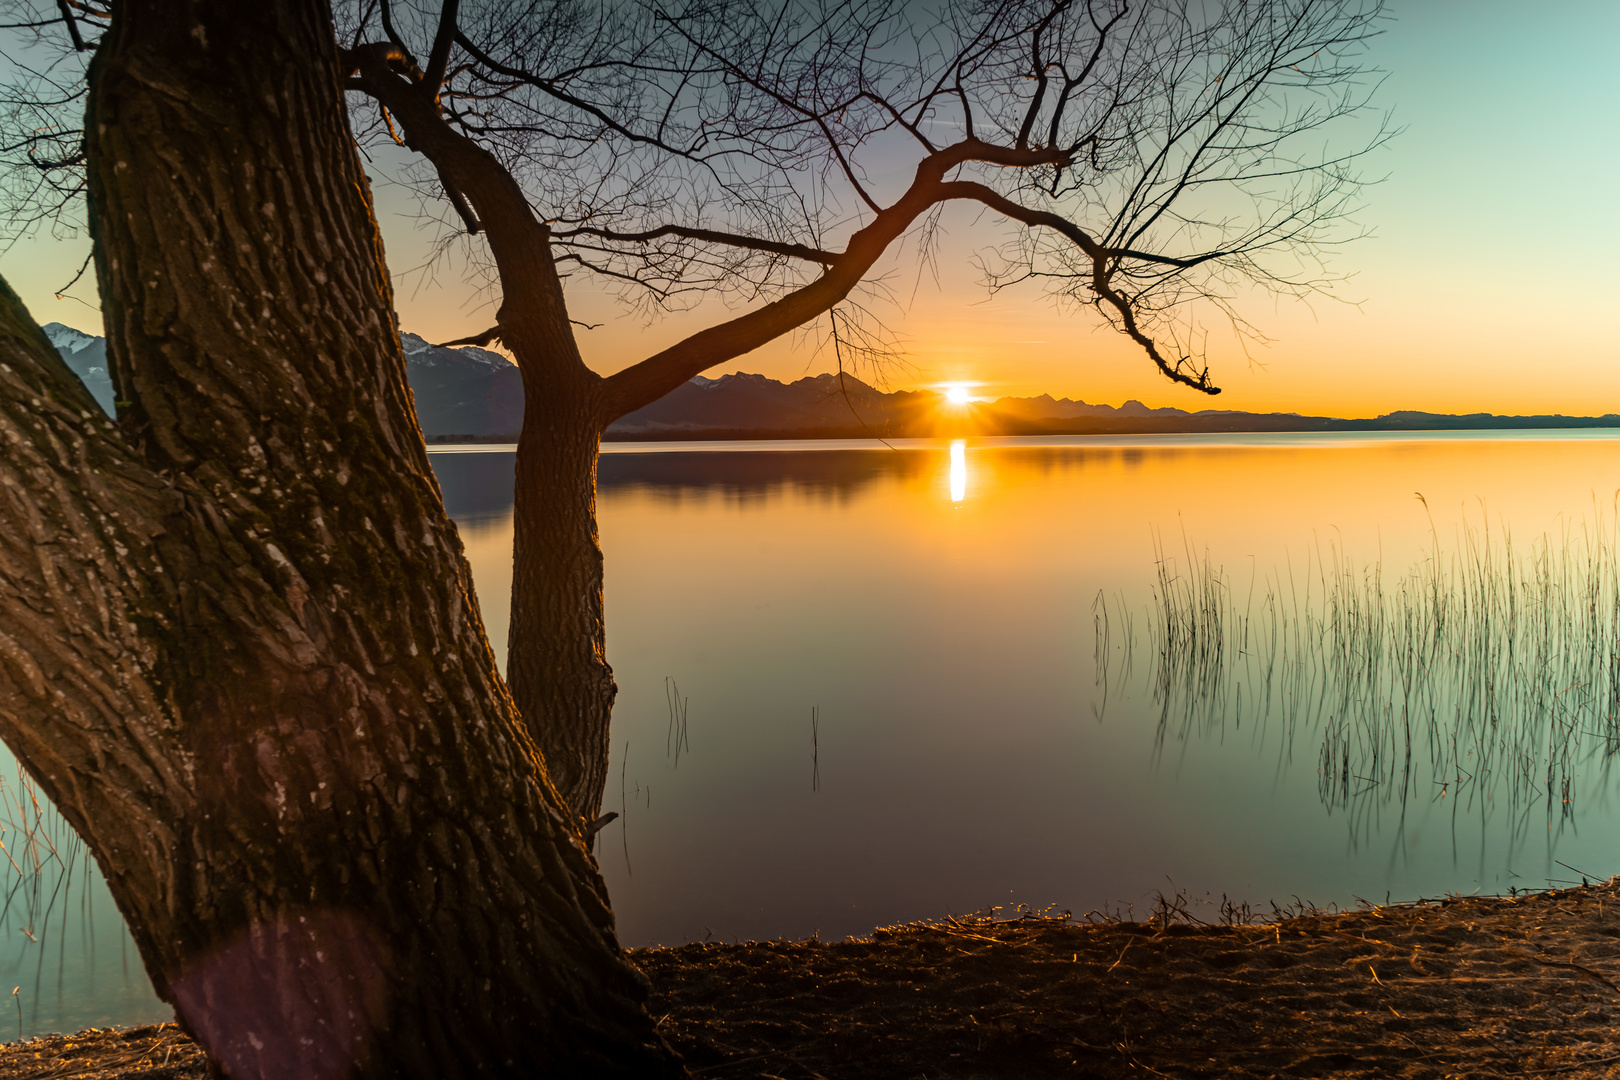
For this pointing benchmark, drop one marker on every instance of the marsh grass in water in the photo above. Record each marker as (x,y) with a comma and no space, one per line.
(1486,672)
(45,895)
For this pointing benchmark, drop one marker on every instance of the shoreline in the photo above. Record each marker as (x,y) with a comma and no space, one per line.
(1243,424)
(1525,984)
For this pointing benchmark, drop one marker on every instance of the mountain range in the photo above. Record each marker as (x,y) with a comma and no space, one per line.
(459,392)
(469,394)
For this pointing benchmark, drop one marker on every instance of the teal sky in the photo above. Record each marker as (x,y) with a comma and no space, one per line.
(1489,283)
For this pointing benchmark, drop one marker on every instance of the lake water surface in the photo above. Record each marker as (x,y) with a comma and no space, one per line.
(939,612)
(862,685)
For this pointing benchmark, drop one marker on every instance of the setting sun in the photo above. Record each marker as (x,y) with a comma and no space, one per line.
(957,395)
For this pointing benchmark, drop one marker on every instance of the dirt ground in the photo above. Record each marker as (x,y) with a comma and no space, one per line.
(1525,985)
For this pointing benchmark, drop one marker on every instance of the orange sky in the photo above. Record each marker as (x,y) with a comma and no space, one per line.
(1487,286)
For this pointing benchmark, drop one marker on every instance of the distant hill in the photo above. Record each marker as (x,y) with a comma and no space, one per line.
(831,405)
(752,406)
(463,392)
(469,394)
(756,403)
(460,393)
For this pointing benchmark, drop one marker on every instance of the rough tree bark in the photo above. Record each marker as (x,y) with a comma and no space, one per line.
(239,646)
(556,647)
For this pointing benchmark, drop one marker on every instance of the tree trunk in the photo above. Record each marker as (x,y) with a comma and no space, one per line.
(239,645)
(556,652)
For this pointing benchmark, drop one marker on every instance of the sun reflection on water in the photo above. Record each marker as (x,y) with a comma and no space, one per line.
(958,470)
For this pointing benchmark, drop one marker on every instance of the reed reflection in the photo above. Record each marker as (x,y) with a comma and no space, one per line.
(1485,676)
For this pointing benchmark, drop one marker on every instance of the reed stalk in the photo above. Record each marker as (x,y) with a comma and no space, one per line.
(1487,672)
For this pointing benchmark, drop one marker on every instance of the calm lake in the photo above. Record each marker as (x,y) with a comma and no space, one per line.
(863,685)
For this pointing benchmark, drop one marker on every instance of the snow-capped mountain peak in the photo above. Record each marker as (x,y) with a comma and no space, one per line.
(423,353)
(66,339)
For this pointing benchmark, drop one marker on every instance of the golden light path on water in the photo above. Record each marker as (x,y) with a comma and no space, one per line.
(958,470)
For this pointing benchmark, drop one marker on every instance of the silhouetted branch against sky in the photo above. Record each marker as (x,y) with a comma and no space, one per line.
(42,68)
(1145,156)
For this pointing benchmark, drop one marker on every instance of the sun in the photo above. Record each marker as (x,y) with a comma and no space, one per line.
(957,395)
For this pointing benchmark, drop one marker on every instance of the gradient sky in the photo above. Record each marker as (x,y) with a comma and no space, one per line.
(1488,285)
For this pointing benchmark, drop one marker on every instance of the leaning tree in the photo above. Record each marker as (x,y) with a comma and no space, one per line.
(1141,153)
(239,644)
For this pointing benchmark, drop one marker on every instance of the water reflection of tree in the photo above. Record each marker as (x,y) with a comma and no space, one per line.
(1486,678)
(479,486)
(838,473)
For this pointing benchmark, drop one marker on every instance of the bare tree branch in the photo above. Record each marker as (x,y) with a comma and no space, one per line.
(439,58)
(712,236)
(72,26)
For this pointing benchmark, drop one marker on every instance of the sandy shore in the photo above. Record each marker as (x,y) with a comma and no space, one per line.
(1526,985)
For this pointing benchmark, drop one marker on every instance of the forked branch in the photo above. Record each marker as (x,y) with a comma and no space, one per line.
(725,148)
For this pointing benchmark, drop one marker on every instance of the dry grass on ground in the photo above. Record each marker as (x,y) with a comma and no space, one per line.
(1504,986)
(154,1052)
